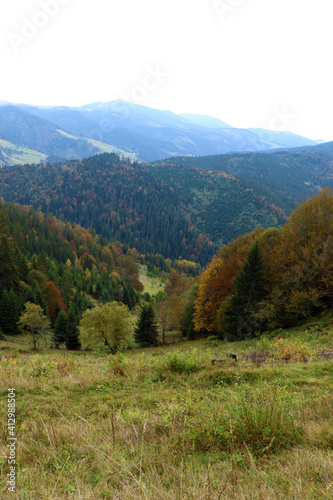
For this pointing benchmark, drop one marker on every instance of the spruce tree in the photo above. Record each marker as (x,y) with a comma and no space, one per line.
(10,311)
(249,291)
(9,274)
(72,332)
(146,331)
(60,330)
(35,296)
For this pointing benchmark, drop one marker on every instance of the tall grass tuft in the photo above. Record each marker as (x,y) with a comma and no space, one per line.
(186,362)
(264,421)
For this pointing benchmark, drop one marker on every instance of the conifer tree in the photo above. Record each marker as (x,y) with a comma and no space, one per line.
(9,276)
(60,330)
(127,299)
(72,332)
(35,296)
(249,291)
(146,331)
(10,310)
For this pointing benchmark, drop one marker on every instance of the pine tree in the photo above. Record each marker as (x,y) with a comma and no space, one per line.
(249,291)
(72,332)
(146,331)
(60,330)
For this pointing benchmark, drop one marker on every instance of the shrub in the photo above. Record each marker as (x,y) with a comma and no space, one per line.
(187,362)
(289,350)
(117,364)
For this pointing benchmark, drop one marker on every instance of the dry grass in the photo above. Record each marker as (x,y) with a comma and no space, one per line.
(128,428)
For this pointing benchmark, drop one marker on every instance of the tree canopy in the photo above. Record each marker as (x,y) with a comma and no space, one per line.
(107,324)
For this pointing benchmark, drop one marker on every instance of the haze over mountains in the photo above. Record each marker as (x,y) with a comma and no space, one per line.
(31,134)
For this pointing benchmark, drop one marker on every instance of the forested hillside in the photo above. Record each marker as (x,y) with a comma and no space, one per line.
(122,201)
(285,177)
(221,205)
(181,213)
(59,266)
(270,279)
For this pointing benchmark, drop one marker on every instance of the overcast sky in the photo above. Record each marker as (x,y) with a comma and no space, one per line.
(251,63)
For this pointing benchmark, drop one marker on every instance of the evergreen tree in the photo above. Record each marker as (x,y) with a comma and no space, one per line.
(146,331)
(10,311)
(9,275)
(72,332)
(35,296)
(60,329)
(249,291)
(127,299)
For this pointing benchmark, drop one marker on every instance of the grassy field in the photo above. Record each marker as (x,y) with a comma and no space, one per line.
(164,423)
(151,285)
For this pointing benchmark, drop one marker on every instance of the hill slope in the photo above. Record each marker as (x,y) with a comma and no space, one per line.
(288,176)
(24,130)
(177,212)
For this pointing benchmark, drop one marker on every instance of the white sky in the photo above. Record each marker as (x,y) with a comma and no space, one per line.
(247,62)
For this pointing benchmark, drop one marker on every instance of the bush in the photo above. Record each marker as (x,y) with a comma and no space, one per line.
(289,350)
(187,362)
(212,337)
(117,364)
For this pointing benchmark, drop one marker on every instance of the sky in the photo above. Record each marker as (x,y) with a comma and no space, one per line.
(251,63)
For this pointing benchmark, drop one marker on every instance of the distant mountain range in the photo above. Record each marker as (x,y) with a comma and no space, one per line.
(36,134)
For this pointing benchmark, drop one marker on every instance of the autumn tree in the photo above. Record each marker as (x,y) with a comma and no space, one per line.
(34,323)
(107,324)
(53,299)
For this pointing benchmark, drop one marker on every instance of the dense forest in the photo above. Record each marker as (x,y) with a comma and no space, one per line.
(119,200)
(283,178)
(266,279)
(181,213)
(59,266)
(269,278)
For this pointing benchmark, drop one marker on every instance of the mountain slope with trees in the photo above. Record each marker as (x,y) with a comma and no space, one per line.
(270,278)
(60,267)
(284,177)
(179,213)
